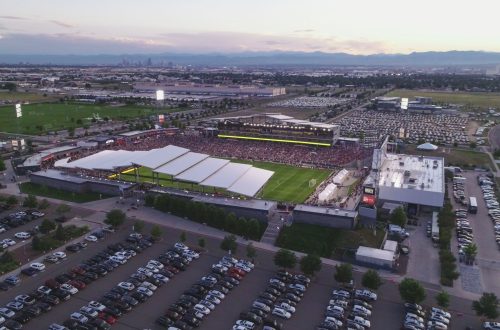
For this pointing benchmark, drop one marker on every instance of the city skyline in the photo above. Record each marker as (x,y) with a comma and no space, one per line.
(203,26)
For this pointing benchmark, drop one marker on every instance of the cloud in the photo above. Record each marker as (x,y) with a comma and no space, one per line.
(62,24)
(220,42)
(12,17)
(304,31)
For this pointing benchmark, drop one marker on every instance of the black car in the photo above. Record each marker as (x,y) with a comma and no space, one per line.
(83,279)
(258,312)
(182,325)
(191,320)
(33,311)
(286,301)
(122,305)
(178,265)
(292,297)
(73,248)
(119,290)
(178,309)
(190,298)
(112,311)
(226,284)
(139,296)
(4,286)
(50,299)
(91,275)
(206,284)
(249,316)
(298,293)
(62,295)
(29,271)
(63,278)
(273,291)
(222,289)
(12,325)
(164,321)
(231,280)
(267,296)
(44,307)
(112,295)
(186,304)
(265,301)
(22,317)
(273,323)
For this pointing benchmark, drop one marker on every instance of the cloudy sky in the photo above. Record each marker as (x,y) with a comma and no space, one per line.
(200,26)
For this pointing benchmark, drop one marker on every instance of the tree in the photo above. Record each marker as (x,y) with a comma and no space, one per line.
(59,233)
(201,242)
(43,204)
(411,291)
(11,200)
(230,222)
(156,232)
(251,251)
(470,251)
(398,217)
(2,165)
(285,259)
(310,264)
(371,280)
(253,229)
(62,209)
(343,273)
(30,201)
(35,243)
(241,226)
(183,237)
(47,226)
(443,299)
(139,226)
(487,306)
(473,145)
(115,218)
(229,244)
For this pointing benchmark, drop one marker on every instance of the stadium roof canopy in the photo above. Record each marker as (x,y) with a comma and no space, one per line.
(251,182)
(427,146)
(180,163)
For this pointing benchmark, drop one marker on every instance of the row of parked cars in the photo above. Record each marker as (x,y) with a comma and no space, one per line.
(19,218)
(27,306)
(279,299)
(465,236)
(416,315)
(348,308)
(459,192)
(197,302)
(488,189)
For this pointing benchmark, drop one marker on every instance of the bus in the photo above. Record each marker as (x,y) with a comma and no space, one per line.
(472,205)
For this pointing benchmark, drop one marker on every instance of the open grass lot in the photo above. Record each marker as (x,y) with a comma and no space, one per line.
(43,117)
(25,97)
(469,100)
(326,242)
(288,184)
(44,191)
(456,157)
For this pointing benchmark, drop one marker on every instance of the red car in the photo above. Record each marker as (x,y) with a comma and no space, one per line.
(172,269)
(77,284)
(78,270)
(53,284)
(106,317)
(237,271)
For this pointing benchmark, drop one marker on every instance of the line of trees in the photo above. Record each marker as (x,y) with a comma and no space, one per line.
(211,215)
(446,220)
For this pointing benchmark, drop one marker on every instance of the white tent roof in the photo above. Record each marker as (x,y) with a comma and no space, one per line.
(251,182)
(181,163)
(62,162)
(202,170)
(427,146)
(157,157)
(227,175)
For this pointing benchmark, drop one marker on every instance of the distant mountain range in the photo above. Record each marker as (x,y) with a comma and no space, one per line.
(417,59)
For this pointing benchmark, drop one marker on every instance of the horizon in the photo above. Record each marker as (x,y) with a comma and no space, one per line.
(228,27)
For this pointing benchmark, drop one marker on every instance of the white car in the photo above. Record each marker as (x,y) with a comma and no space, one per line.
(247,324)
(243,267)
(414,316)
(439,318)
(120,260)
(216,293)
(437,325)
(207,304)
(149,285)
(22,235)
(91,238)
(152,268)
(299,287)
(126,285)
(277,282)
(286,307)
(7,313)
(220,266)
(261,306)
(96,305)
(89,311)
(181,246)
(330,319)
(9,242)
(59,254)
(202,309)
(334,308)
(338,302)
(145,271)
(235,327)
(362,309)
(366,294)
(38,266)
(491,325)
(79,317)
(281,313)
(38,214)
(246,263)
(212,299)
(145,291)
(69,288)
(441,311)
(361,321)
(155,263)
(341,293)
(192,254)
(161,278)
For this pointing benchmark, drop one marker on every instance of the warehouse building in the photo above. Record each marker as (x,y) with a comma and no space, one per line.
(324,216)
(375,258)
(213,90)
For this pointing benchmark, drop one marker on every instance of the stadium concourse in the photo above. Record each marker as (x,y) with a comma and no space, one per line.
(179,163)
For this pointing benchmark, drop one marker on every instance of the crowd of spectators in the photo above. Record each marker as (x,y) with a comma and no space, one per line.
(309,102)
(413,128)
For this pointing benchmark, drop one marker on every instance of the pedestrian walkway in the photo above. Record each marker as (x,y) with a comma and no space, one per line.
(274,226)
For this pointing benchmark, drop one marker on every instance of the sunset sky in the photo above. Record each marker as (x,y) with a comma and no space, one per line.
(230,26)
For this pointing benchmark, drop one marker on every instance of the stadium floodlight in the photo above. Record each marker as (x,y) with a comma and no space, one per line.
(160,95)
(404,103)
(19,111)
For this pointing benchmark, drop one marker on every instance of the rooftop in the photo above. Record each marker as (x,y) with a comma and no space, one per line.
(412,172)
(326,210)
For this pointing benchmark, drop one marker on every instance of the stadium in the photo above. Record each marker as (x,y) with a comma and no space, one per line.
(269,156)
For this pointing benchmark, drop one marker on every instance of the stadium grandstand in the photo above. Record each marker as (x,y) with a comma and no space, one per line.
(275,127)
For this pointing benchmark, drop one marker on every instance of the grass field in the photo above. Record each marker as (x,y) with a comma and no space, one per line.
(43,117)
(326,242)
(288,184)
(44,191)
(25,97)
(469,100)
(456,157)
